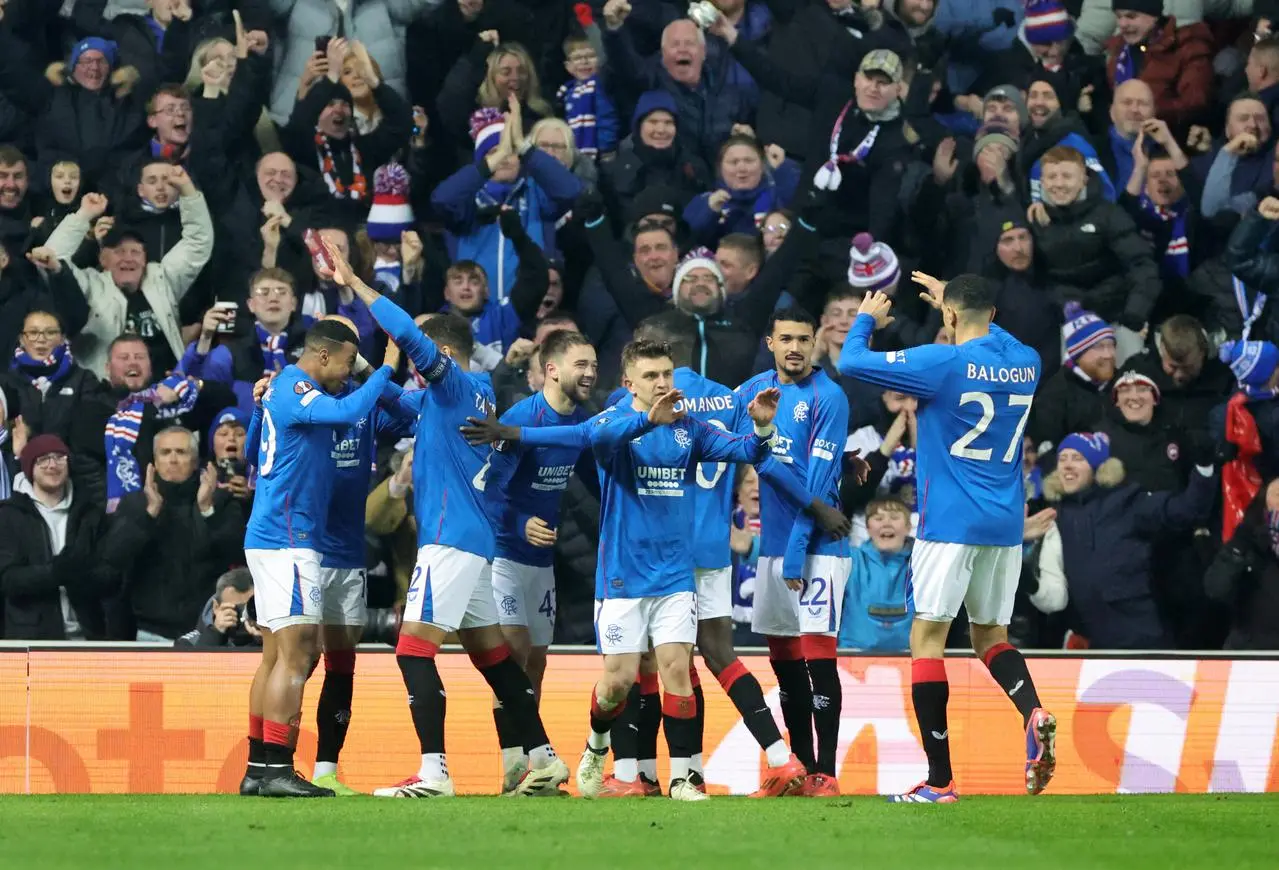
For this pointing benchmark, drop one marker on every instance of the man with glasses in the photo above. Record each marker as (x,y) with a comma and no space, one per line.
(274,340)
(46,386)
(54,570)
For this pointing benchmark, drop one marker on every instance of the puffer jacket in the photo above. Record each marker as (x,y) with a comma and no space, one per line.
(1177,64)
(379,24)
(1106,545)
(1245,578)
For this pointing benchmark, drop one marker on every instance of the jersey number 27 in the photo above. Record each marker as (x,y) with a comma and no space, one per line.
(961,446)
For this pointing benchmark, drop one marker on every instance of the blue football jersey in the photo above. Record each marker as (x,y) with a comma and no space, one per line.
(449,475)
(974,401)
(812,426)
(536,483)
(647,507)
(295,466)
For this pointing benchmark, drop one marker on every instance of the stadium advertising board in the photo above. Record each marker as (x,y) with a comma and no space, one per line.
(95,721)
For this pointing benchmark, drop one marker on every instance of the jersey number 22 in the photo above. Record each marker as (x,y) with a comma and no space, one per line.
(987,404)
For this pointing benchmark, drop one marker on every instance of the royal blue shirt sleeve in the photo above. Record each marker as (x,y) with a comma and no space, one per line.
(917,371)
(556,436)
(608,433)
(716,445)
(825,460)
(317,407)
(253,437)
(779,476)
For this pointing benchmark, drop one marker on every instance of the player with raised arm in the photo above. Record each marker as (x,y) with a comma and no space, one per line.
(451,586)
(296,475)
(528,509)
(802,571)
(974,400)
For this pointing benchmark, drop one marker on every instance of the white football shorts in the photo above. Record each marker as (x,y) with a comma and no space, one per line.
(450,589)
(288,587)
(714,592)
(815,609)
(525,595)
(345,596)
(632,625)
(945,575)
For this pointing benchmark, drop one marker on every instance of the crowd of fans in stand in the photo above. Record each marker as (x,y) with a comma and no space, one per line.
(537,165)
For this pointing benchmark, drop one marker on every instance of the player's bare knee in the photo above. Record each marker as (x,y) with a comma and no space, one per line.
(673,661)
(715,643)
(928,637)
(648,663)
(535,666)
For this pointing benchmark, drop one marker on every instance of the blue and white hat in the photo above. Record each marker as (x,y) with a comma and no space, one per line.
(391,213)
(1253,362)
(1083,330)
(1094,447)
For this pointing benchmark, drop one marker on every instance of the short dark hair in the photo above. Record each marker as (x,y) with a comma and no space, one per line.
(1269,45)
(125,338)
(887,503)
(329,335)
(643,227)
(791,314)
(239,579)
(746,244)
(642,348)
(844,291)
(178,92)
(659,329)
(451,330)
(1181,335)
(10,156)
(969,292)
(45,307)
(561,340)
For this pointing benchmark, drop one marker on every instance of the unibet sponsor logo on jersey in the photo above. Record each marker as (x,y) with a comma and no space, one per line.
(346,450)
(781,446)
(551,478)
(658,480)
(1020,375)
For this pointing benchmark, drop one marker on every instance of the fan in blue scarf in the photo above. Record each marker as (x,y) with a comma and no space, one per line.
(275,349)
(1125,65)
(1176,259)
(44,373)
(123,473)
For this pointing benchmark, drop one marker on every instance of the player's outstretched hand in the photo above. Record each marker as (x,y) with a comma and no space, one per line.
(1038,525)
(342,272)
(538,533)
(667,409)
(832,520)
(877,305)
(933,288)
(859,467)
(487,430)
(763,408)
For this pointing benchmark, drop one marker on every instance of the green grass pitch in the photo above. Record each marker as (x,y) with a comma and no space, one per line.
(485,833)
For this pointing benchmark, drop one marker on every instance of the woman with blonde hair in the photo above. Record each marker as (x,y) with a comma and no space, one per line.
(367,113)
(484,79)
(230,82)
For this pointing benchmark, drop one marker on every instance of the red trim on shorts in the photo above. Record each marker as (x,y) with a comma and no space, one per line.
(648,684)
(731,674)
(817,646)
(255,727)
(598,712)
(679,706)
(785,649)
(339,661)
(276,732)
(995,651)
(408,645)
(928,671)
(693,676)
(490,657)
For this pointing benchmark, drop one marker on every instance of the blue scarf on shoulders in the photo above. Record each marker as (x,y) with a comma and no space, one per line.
(124,475)
(1176,257)
(44,373)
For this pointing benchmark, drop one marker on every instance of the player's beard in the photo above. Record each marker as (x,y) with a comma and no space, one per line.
(793,368)
(576,391)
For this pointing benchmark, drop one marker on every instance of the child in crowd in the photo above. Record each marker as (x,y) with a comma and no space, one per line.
(877,604)
(587,108)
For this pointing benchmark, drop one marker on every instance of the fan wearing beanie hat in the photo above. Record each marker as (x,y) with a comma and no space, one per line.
(699,284)
(1135,395)
(1083,457)
(1255,365)
(872,265)
(1047,22)
(1006,106)
(488,127)
(1090,345)
(391,214)
(38,448)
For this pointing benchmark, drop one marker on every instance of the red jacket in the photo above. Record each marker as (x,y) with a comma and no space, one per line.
(1177,64)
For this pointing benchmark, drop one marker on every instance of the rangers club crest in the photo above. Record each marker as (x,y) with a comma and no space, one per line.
(1173,452)
(509,605)
(801,412)
(613,634)
(682,438)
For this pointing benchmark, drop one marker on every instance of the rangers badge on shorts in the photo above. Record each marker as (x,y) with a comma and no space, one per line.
(302,387)
(1173,452)
(613,634)
(315,594)
(508,605)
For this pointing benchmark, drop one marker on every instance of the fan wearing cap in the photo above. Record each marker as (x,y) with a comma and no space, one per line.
(129,293)
(858,141)
(1155,456)
(322,132)
(226,450)
(507,171)
(1075,397)
(54,570)
(1108,527)
(1175,61)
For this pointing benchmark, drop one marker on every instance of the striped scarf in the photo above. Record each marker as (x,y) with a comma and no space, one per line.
(1125,65)
(275,350)
(578,99)
(123,473)
(43,373)
(1176,259)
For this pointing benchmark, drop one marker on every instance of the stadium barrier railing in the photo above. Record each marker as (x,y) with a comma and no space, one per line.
(139,718)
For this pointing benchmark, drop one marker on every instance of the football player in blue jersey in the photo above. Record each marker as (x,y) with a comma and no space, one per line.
(527,509)
(802,570)
(285,530)
(451,585)
(342,566)
(974,400)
